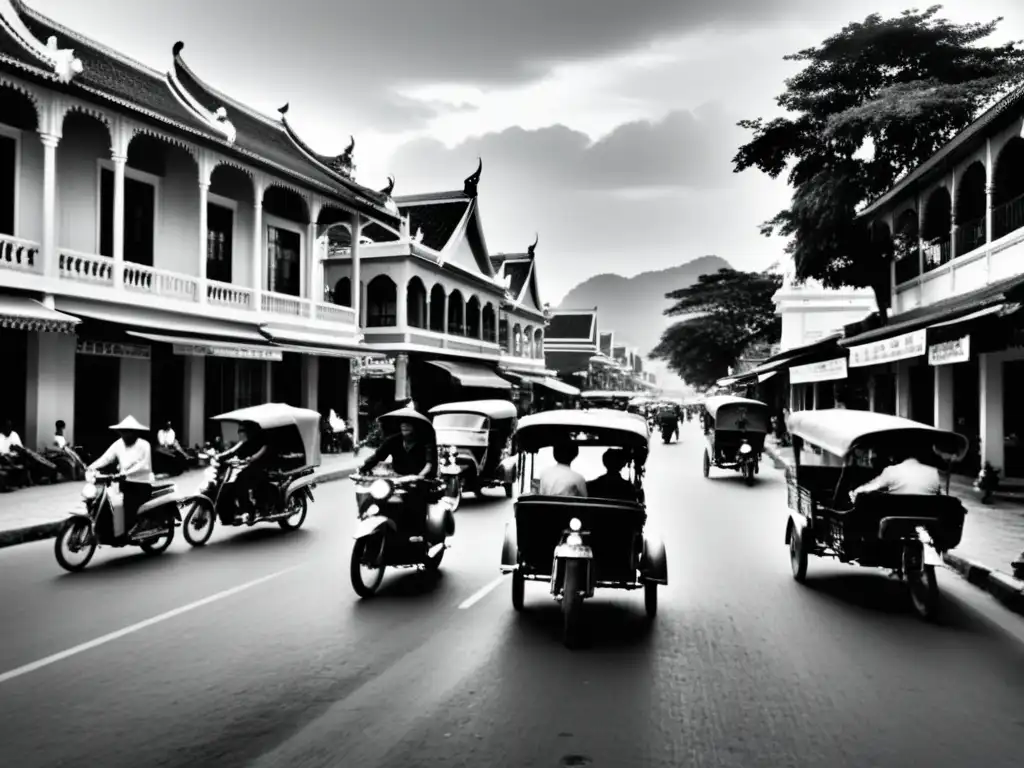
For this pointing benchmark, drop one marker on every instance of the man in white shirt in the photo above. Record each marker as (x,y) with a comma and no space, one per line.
(13,472)
(562,479)
(905,476)
(134,458)
(9,439)
(166,437)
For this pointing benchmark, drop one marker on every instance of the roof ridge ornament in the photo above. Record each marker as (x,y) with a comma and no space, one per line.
(532,248)
(216,119)
(470,184)
(63,61)
(390,187)
(283,110)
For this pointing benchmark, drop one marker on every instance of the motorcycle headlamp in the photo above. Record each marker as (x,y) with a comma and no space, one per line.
(89,491)
(575,524)
(210,474)
(745,448)
(574,540)
(380,489)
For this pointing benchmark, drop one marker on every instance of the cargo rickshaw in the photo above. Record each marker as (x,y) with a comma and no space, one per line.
(284,496)
(735,429)
(575,544)
(476,437)
(837,451)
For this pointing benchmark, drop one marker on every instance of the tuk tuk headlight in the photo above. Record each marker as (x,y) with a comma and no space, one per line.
(745,448)
(379,489)
(574,540)
(575,524)
(89,491)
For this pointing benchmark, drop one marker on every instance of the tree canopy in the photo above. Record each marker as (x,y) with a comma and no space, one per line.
(725,313)
(874,101)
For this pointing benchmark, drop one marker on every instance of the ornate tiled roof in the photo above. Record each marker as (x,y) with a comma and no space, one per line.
(619,353)
(607,340)
(520,268)
(573,325)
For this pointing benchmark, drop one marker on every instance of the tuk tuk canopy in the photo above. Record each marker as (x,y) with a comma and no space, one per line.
(840,431)
(597,428)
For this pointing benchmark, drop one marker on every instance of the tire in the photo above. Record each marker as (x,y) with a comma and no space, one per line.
(923,588)
(651,599)
(707,464)
(433,564)
(293,522)
(518,590)
(160,545)
(748,473)
(205,531)
(75,530)
(798,556)
(508,490)
(572,603)
(359,552)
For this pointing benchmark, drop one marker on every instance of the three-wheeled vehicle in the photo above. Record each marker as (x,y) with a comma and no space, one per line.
(735,429)
(837,451)
(294,434)
(392,533)
(579,544)
(476,437)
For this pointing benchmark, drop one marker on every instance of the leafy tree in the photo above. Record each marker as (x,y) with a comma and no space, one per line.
(725,313)
(874,101)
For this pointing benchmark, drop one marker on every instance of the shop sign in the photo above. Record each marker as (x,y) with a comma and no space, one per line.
(238,353)
(889,350)
(829,370)
(948,352)
(372,368)
(114,349)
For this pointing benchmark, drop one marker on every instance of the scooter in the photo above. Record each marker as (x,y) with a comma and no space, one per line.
(82,533)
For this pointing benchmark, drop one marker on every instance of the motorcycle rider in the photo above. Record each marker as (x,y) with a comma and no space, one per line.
(255,453)
(134,458)
(410,454)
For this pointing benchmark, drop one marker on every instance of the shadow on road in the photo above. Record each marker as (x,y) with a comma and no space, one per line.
(606,625)
(405,584)
(118,564)
(259,538)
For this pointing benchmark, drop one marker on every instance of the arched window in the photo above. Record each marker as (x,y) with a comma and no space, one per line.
(381,302)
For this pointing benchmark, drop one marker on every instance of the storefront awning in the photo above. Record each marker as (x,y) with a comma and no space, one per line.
(824,351)
(471,376)
(199,347)
(163,322)
(21,313)
(314,343)
(559,386)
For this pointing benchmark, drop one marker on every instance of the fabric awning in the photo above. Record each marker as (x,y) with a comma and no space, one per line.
(161,322)
(21,313)
(200,347)
(315,343)
(471,376)
(559,386)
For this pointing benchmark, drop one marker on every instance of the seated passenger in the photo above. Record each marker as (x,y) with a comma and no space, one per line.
(562,479)
(612,485)
(904,476)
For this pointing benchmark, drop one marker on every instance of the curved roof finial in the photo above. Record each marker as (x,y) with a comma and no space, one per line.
(176,50)
(284,110)
(351,147)
(390,187)
(469,186)
(532,248)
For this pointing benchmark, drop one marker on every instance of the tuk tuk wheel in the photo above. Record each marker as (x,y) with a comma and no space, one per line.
(296,504)
(508,490)
(363,550)
(432,564)
(798,556)
(572,603)
(748,473)
(518,590)
(74,538)
(651,599)
(198,525)
(924,591)
(707,464)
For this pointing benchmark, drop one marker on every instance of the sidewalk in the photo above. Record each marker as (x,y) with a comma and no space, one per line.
(993,536)
(32,514)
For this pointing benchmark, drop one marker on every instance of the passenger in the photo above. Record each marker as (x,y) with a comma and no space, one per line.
(134,458)
(905,476)
(612,485)
(562,479)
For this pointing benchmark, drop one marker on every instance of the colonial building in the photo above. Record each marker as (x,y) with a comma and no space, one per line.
(159,243)
(571,348)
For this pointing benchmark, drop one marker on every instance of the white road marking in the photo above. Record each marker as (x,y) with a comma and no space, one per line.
(32,667)
(479,595)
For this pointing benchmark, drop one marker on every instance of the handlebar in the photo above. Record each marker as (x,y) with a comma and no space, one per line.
(98,478)
(394,479)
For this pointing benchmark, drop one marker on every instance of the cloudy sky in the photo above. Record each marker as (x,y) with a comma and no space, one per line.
(605,126)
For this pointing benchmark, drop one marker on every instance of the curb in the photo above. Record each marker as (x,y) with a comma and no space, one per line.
(42,531)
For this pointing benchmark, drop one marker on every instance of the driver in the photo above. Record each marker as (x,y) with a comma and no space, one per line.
(612,485)
(134,458)
(409,454)
(905,476)
(255,454)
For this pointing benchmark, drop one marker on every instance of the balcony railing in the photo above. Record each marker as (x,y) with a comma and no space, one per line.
(970,235)
(1008,217)
(17,255)
(936,253)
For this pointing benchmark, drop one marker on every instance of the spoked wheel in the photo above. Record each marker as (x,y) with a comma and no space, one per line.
(707,464)
(198,525)
(924,589)
(518,590)
(798,556)
(508,490)
(651,599)
(366,570)
(432,564)
(75,545)
(159,544)
(296,504)
(748,473)
(572,603)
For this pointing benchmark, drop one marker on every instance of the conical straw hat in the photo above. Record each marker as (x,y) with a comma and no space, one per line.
(130,424)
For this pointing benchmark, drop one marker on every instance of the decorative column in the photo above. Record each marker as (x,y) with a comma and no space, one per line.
(358,305)
(872,390)
(902,371)
(204,237)
(310,381)
(989,189)
(401,377)
(258,247)
(943,397)
(510,345)
(193,426)
(402,303)
(49,239)
(316,270)
(119,161)
(990,392)
(352,399)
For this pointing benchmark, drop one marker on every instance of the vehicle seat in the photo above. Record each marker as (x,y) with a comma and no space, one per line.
(159,489)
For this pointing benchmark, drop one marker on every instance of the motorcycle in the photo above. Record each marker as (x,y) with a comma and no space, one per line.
(82,533)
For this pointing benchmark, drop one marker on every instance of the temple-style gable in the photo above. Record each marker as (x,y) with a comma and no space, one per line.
(519,271)
(572,329)
(607,343)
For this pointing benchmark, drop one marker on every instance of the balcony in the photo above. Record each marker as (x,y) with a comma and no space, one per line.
(96,277)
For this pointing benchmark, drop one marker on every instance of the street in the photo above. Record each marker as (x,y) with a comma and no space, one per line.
(742,666)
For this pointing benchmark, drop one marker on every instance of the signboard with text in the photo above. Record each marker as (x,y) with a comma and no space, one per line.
(113,349)
(237,353)
(830,370)
(903,347)
(949,352)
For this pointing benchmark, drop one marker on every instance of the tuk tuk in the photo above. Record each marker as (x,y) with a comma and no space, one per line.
(599,398)
(837,451)
(578,544)
(294,434)
(734,430)
(476,437)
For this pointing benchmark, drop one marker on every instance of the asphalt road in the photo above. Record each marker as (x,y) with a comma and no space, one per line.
(742,667)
